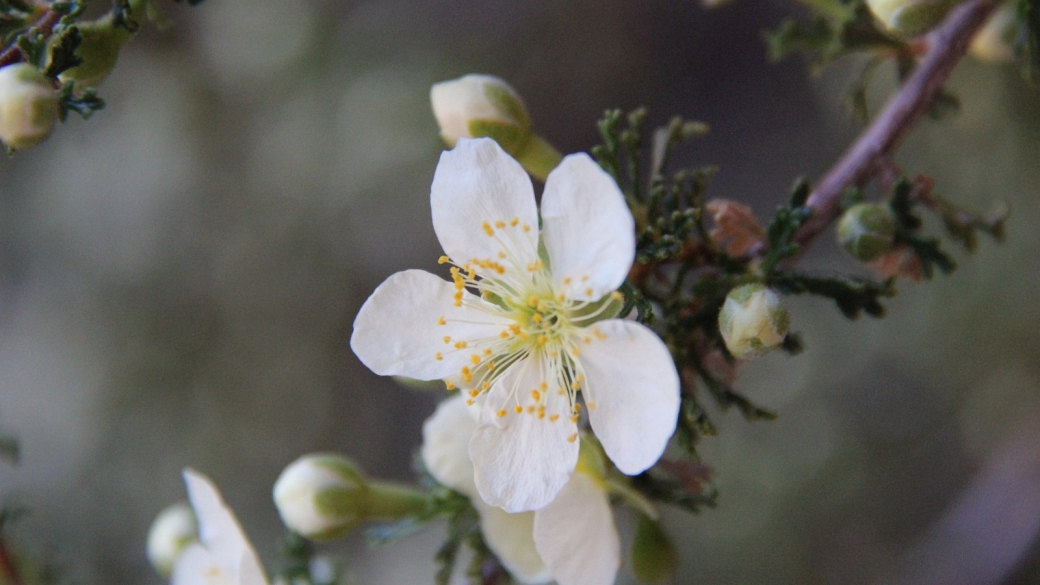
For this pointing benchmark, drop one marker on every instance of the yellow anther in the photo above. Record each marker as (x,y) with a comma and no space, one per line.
(474,393)
(544,386)
(439,357)
(500,269)
(553,354)
(530,410)
(443,260)
(491,366)
(567,280)
(542,307)
(592,405)
(501,413)
(485,386)
(572,438)
(541,412)
(467,376)
(460,345)
(449,385)
(500,224)
(577,407)
(447,339)
(470,402)
(502,255)
(527,228)
(514,221)
(487,229)
(441,320)
(561,297)
(487,351)
(475,359)
(543,339)
(599,334)
(536,395)
(473,274)
(561,391)
(554,418)
(585,278)
(587,340)
(532,301)
(575,352)
(588,291)
(537,317)
(518,408)
(504,335)
(617,296)
(574,418)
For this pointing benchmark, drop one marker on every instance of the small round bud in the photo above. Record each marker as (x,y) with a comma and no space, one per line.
(867,230)
(911,17)
(320,495)
(478,106)
(99,48)
(753,321)
(994,42)
(28,106)
(172,530)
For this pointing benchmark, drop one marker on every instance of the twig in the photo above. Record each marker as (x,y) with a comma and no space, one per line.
(947,44)
(45,24)
(8,567)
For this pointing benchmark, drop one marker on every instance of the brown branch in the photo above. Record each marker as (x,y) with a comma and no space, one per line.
(45,24)
(8,566)
(947,44)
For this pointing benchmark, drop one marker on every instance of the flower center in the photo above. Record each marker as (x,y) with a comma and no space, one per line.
(541,329)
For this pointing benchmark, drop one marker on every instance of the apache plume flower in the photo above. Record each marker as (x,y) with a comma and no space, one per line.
(572,540)
(536,336)
(224,556)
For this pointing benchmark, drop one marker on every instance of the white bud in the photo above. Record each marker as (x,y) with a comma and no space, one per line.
(28,106)
(753,321)
(994,42)
(911,17)
(172,530)
(318,495)
(867,230)
(478,106)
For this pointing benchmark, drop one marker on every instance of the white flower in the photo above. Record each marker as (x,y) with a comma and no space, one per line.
(172,530)
(572,540)
(530,341)
(224,556)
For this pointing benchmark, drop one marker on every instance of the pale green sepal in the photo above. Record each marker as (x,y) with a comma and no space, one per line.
(654,559)
(538,157)
(101,41)
(509,136)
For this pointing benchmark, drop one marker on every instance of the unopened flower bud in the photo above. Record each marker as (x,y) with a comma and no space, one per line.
(99,47)
(476,106)
(867,230)
(994,42)
(172,530)
(753,321)
(911,17)
(323,496)
(28,106)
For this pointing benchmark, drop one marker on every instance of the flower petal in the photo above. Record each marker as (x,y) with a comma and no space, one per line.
(588,230)
(445,447)
(632,393)
(521,459)
(476,185)
(196,566)
(398,331)
(219,530)
(576,537)
(511,538)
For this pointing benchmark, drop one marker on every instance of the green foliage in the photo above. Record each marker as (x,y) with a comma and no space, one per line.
(908,226)
(687,487)
(852,295)
(654,558)
(785,225)
(62,51)
(1028,41)
(83,103)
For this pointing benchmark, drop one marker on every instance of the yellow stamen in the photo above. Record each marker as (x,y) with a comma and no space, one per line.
(447,339)
(460,345)
(518,409)
(441,320)
(514,221)
(475,359)
(554,418)
(443,260)
(572,438)
(500,224)
(501,413)
(439,357)
(487,229)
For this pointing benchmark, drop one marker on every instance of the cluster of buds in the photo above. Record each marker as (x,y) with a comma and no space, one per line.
(28,106)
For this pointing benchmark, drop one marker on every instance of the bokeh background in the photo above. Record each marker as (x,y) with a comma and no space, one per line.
(179,275)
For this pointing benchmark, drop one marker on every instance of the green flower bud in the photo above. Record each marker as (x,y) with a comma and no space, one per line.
(28,106)
(324,496)
(911,17)
(654,559)
(101,41)
(753,321)
(172,530)
(867,230)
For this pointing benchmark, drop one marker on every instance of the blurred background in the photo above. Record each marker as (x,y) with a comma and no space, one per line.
(179,275)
